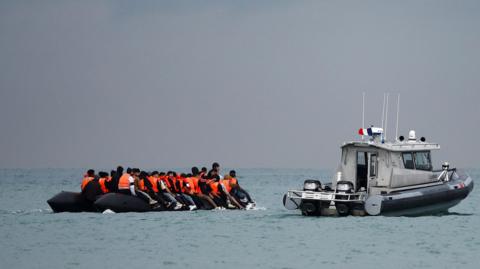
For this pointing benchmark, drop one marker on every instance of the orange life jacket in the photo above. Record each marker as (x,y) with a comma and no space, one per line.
(227,184)
(214,187)
(172,184)
(141,185)
(85,181)
(179,184)
(153,180)
(102,181)
(124,182)
(165,181)
(196,187)
(189,185)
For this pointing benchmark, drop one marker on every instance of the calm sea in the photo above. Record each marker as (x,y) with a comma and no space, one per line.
(31,236)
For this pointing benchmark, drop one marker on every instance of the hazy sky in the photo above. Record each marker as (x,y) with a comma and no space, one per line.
(245,83)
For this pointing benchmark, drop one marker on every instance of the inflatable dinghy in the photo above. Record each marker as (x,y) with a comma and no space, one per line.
(67,201)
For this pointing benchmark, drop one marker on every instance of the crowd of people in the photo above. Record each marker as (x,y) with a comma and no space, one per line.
(199,189)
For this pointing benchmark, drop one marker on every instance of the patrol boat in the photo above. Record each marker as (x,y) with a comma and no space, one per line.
(376,177)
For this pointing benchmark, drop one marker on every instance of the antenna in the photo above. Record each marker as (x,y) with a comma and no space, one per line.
(363,111)
(398,109)
(386,117)
(383,109)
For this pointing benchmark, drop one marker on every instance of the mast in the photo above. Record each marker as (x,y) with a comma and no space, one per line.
(398,110)
(363,111)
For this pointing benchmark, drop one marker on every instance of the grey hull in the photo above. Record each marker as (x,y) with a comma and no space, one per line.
(426,201)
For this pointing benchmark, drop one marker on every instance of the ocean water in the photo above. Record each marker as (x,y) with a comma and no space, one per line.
(31,236)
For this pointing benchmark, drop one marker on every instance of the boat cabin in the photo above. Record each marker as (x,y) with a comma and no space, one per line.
(375,167)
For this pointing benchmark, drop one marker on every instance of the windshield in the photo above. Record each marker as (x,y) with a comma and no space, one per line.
(422,160)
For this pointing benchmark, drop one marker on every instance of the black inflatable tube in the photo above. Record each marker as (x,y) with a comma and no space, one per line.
(66,201)
(119,203)
(429,198)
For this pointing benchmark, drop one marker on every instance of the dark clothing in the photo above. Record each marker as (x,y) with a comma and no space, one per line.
(242,196)
(92,190)
(156,196)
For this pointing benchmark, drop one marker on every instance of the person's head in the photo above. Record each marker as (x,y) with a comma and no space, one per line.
(195,171)
(119,170)
(91,173)
(216,167)
(102,174)
(233,173)
(136,171)
(129,170)
(143,174)
(183,175)
(189,175)
(204,170)
(170,173)
(154,173)
(112,173)
(162,174)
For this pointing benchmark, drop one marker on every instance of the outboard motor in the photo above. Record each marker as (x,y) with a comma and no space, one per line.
(311,207)
(312,185)
(343,187)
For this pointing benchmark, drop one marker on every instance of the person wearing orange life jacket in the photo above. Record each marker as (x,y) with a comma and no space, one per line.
(164,188)
(219,194)
(191,192)
(141,190)
(128,184)
(150,185)
(181,187)
(90,187)
(89,176)
(104,181)
(195,191)
(172,181)
(241,195)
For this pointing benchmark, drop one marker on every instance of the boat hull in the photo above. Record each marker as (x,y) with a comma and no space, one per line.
(427,201)
(416,201)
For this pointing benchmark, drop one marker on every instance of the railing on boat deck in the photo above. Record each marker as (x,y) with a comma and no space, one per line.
(327,196)
(447,174)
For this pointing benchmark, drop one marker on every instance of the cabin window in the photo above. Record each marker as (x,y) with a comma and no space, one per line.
(422,160)
(373,165)
(361,158)
(408,160)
